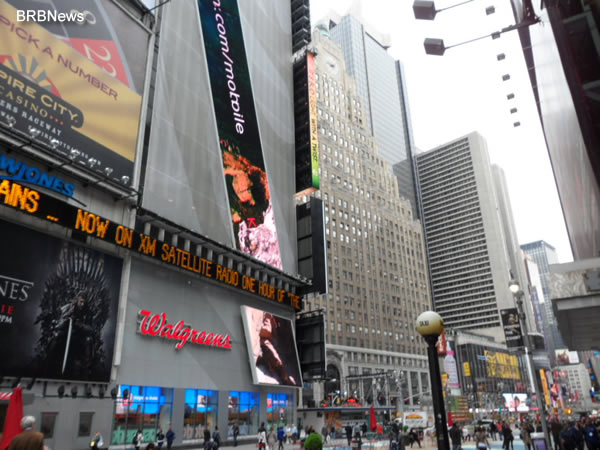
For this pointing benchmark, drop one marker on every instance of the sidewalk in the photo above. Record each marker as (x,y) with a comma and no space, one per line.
(336,444)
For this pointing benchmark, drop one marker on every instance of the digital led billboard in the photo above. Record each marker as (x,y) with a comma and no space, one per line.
(77,85)
(271,348)
(516,402)
(58,307)
(240,145)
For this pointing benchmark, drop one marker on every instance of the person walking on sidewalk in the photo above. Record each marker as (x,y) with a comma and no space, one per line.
(170,437)
(262,436)
(455,437)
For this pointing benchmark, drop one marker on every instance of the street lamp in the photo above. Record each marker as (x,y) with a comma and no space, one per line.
(425,10)
(430,325)
(515,289)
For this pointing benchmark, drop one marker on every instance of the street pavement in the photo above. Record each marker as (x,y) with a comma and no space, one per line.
(342,444)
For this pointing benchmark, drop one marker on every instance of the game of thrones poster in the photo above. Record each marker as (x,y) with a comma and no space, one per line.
(68,298)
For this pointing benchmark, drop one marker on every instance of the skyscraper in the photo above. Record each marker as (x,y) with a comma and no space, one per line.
(381,90)
(543,255)
(469,267)
(375,251)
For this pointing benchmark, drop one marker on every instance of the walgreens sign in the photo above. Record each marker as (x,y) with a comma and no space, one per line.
(155,324)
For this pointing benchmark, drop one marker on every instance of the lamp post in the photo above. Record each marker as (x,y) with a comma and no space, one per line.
(430,325)
(518,295)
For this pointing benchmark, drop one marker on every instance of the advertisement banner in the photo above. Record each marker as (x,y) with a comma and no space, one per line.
(239,138)
(58,307)
(72,83)
(545,387)
(516,402)
(502,365)
(314,128)
(566,357)
(271,348)
(512,328)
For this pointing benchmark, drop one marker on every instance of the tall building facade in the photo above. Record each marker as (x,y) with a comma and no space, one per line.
(515,255)
(375,251)
(381,90)
(544,254)
(468,262)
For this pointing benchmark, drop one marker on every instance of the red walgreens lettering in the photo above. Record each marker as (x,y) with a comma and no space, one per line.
(156,325)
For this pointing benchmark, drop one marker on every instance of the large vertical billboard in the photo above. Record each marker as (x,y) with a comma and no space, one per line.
(75,85)
(246,180)
(271,348)
(58,307)
(313,126)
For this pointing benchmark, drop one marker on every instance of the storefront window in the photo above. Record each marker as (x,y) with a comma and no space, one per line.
(279,411)
(243,410)
(201,407)
(145,408)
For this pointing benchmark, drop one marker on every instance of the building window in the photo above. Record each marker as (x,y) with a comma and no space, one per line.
(201,408)
(279,409)
(141,407)
(85,424)
(47,424)
(243,410)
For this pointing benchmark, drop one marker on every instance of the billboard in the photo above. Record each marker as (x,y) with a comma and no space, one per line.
(502,365)
(271,348)
(244,168)
(78,85)
(516,402)
(564,357)
(58,307)
(512,328)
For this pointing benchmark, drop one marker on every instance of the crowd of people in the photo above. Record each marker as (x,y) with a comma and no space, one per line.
(566,435)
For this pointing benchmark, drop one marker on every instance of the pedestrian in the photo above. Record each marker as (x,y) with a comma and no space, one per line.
(591,435)
(348,429)
(216,438)
(170,437)
(138,439)
(363,428)
(97,441)
(480,438)
(455,437)
(262,436)
(570,436)
(556,428)
(324,433)
(28,438)
(280,437)
(294,433)
(236,433)
(526,430)
(414,437)
(493,431)
(206,436)
(271,438)
(507,434)
(160,438)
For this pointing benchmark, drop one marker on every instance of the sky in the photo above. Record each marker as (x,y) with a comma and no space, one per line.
(463,91)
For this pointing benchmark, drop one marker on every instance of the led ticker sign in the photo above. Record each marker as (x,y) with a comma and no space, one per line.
(49,208)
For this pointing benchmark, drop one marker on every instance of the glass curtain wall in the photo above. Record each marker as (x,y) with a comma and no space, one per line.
(243,411)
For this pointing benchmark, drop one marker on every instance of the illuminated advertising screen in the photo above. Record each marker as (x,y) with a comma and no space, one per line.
(271,348)
(77,84)
(240,145)
(516,402)
(564,357)
(58,307)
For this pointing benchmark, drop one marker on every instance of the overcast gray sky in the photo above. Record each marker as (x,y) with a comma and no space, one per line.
(463,91)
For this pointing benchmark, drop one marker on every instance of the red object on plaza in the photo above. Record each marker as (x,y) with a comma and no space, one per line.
(450,421)
(14,414)
(373,419)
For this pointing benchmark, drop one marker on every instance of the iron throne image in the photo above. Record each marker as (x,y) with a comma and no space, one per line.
(74,309)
